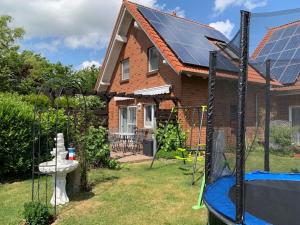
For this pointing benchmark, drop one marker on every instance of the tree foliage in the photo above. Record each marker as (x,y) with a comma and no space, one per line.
(24,71)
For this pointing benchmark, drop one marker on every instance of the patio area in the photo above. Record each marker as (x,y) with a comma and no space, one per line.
(131,147)
(129,157)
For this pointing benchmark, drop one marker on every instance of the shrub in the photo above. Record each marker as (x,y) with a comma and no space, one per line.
(281,139)
(97,153)
(16,132)
(91,102)
(65,102)
(36,213)
(16,119)
(41,100)
(169,138)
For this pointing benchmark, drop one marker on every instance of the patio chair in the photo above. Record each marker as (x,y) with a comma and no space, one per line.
(138,141)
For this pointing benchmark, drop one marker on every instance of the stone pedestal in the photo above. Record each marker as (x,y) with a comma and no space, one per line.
(73,182)
(61,194)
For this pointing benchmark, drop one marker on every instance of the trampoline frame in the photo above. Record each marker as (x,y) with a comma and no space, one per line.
(242,88)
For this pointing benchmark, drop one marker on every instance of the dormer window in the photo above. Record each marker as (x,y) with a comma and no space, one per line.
(153,59)
(125,69)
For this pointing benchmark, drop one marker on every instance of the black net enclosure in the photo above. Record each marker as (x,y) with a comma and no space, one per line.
(253,122)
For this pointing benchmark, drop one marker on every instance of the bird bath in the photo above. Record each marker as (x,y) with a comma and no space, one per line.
(62,167)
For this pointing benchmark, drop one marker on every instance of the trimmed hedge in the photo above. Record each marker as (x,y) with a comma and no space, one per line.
(16,118)
(16,133)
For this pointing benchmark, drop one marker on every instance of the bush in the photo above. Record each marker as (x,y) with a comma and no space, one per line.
(36,213)
(169,139)
(91,102)
(16,132)
(41,101)
(97,153)
(281,139)
(16,119)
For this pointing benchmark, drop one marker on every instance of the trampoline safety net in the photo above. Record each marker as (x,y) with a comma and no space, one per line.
(266,124)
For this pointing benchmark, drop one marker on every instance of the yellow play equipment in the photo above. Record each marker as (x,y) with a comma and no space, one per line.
(194,154)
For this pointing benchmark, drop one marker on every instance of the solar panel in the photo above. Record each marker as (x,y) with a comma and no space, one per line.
(291,74)
(261,59)
(267,49)
(289,31)
(284,58)
(294,42)
(182,53)
(276,35)
(279,46)
(277,72)
(188,40)
(283,49)
(298,30)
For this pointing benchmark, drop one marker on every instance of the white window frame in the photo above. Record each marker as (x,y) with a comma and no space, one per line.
(128,119)
(291,107)
(123,73)
(149,59)
(146,125)
(290,111)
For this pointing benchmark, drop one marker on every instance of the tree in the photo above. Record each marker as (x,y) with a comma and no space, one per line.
(8,53)
(24,71)
(86,78)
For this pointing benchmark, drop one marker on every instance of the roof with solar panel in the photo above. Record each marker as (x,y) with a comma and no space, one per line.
(184,45)
(281,45)
(189,40)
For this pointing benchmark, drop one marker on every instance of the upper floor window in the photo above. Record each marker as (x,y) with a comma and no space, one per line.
(125,69)
(153,59)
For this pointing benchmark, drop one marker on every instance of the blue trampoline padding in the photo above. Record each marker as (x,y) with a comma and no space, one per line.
(216,194)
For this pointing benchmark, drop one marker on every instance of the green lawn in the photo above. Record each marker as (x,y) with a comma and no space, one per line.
(133,195)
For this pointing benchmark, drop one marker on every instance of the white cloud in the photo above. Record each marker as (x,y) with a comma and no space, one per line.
(225,27)
(76,23)
(51,46)
(87,64)
(221,5)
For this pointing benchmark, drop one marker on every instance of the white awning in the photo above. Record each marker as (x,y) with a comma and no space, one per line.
(122,98)
(165,89)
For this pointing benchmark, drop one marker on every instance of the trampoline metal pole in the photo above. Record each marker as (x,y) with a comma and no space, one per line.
(242,88)
(210,114)
(267,118)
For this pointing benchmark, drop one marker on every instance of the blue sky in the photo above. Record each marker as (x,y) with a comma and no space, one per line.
(77,32)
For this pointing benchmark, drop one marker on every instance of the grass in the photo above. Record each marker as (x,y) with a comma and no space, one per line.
(133,195)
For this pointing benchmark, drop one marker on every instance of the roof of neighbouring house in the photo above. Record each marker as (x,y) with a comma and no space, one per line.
(281,45)
(183,43)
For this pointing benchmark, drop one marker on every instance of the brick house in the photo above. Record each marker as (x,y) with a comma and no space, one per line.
(281,45)
(140,60)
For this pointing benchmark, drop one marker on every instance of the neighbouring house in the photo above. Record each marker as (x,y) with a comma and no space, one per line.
(153,53)
(281,45)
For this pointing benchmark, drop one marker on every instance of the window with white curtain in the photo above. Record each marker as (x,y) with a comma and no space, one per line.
(153,59)
(149,113)
(127,120)
(125,69)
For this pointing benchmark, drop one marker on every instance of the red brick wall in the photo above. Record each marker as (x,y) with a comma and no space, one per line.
(280,106)
(227,96)
(136,49)
(191,91)
(282,100)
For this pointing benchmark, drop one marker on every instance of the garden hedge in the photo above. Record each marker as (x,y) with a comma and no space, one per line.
(16,129)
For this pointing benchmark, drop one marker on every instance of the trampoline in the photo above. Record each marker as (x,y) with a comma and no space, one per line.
(231,195)
(270,198)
